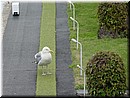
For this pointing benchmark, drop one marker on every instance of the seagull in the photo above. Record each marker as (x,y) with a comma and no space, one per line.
(43,58)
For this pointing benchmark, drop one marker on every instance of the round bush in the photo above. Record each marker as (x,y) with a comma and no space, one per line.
(105,75)
(113,20)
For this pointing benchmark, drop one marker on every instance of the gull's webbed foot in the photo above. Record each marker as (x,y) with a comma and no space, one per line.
(43,74)
(49,73)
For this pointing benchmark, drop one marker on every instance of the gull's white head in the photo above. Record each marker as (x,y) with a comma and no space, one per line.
(46,50)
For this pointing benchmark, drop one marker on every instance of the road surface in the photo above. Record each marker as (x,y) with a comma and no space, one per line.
(65,79)
(20,43)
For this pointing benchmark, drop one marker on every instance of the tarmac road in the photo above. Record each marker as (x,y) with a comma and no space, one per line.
(65,79)
(20,43)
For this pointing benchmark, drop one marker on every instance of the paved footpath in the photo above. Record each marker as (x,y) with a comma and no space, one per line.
(64,74)
(20,43)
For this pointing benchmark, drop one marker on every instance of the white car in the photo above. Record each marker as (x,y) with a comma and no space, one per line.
(15,8)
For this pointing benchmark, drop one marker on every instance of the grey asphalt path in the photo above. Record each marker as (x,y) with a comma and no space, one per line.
(20,43)
(64,74)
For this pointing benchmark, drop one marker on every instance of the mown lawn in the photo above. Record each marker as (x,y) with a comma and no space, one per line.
(86,15)
(46,85)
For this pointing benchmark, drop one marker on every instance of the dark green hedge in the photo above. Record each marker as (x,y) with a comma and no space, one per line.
(113,20)
(105,73)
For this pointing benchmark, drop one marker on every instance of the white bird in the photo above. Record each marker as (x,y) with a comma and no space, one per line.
(43,58)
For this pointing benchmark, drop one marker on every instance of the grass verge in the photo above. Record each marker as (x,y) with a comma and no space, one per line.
(46,85)
(86,15)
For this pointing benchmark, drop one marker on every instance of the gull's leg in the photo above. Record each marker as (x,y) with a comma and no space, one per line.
(48,70)
(43,73)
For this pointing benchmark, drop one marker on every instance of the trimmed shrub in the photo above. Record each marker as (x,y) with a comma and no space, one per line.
(113,20)
(105,75)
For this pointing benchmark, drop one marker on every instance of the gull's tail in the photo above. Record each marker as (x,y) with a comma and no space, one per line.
(35,62)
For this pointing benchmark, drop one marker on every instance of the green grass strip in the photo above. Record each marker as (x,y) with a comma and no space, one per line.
(46,85)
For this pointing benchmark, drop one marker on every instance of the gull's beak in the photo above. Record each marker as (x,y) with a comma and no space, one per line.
(51,51)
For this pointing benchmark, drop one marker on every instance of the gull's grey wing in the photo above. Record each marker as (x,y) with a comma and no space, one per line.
(38,56)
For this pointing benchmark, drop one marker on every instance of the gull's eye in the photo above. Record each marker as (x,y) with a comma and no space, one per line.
(47,49)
